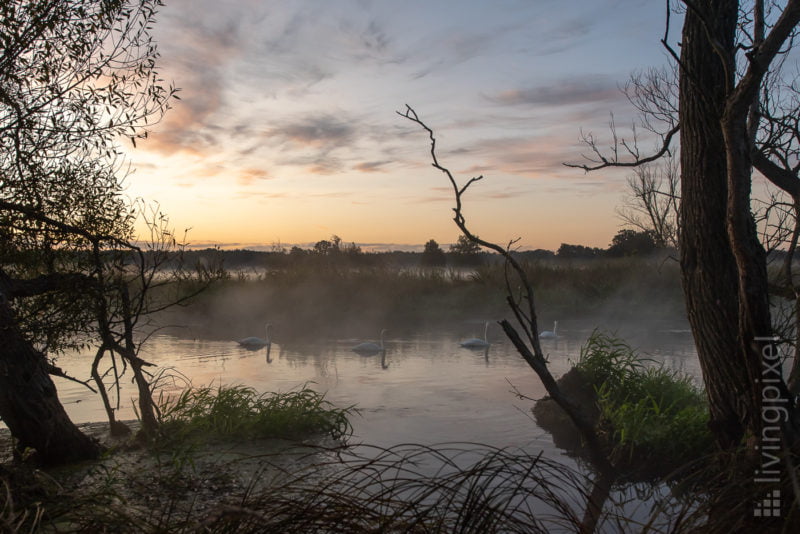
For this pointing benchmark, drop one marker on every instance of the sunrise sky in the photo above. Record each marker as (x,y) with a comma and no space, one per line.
(286,130)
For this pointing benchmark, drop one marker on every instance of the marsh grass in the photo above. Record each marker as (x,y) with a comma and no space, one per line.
(239,412)
(457,487)
(655,417)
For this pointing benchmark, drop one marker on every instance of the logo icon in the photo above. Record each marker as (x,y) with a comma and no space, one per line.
(769,506)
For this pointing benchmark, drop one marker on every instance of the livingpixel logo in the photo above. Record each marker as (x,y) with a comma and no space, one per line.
(769,506)
(773,415)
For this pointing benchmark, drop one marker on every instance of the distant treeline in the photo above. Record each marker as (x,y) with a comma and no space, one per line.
(334,251)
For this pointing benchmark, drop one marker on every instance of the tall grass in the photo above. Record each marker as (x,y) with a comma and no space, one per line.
(655,418)
(461,488)
(465,488)
(240,412)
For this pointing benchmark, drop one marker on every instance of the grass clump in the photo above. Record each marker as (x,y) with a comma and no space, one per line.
(239,412)
(653,417)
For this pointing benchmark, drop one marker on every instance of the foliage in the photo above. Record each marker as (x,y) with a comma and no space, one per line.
(632,243)
(651,413)
(433,255)
(570,252)
(465,252)
(75,77)
(239,412)
(406,488)
(305,297)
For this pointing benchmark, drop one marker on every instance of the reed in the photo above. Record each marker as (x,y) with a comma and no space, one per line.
(460,487)
(655,418)
(239,412)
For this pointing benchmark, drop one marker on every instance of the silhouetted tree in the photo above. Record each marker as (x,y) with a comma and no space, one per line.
(75,76)
(653,201)
(521,300)
(465,252)
(631,243)
(730,78)
(433,255)
(572,252)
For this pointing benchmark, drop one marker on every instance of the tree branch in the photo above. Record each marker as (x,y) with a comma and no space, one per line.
(605,162)
(532,354)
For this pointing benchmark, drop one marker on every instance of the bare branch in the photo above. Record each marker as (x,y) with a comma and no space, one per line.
(613,162)
(529,348)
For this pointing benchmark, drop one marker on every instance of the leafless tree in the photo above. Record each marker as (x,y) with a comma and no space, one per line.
(653,201)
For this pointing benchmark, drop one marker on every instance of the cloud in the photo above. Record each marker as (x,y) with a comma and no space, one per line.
(325,131)
(371,166)
(453,49)
(250,175)
(523,156)
(565,92)
(196,48)
(327,143)
(436,194)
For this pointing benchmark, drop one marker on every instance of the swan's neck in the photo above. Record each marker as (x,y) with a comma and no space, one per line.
(485,332)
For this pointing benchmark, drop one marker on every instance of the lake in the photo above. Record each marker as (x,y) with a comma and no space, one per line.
(427,390)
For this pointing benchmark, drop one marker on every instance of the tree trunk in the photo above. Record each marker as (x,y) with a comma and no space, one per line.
(722,262)
(29,405)
(707,264)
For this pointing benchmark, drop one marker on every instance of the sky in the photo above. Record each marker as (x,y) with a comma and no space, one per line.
(287,132)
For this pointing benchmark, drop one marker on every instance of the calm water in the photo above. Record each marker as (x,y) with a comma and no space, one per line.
(429,390)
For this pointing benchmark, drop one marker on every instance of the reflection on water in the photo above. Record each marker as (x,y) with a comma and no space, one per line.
(425,389)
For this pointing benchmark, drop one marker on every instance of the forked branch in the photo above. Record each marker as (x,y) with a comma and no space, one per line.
(528,346)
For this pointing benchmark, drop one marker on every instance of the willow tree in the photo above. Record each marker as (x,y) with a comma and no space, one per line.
(731,54)
(76,78)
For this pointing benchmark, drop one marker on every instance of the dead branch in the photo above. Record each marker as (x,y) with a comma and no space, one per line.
(523,309)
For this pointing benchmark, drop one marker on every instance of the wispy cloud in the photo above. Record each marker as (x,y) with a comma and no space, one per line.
(371,166)
(325,131)
(577,90)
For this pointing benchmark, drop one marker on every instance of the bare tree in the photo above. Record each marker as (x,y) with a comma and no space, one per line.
(132,284)
(653,201)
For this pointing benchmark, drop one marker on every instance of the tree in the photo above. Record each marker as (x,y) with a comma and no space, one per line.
(75,77)
(572,252)
(521,300)
(653,202)
(433,255)
(327,248)
(632,243)
(730,58)
(465,252)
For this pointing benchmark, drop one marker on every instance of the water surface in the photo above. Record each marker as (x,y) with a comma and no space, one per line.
(426,390)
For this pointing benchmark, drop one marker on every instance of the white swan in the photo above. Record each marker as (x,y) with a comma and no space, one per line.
(476,343)
(257,342)
(370,347)
(547,334)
